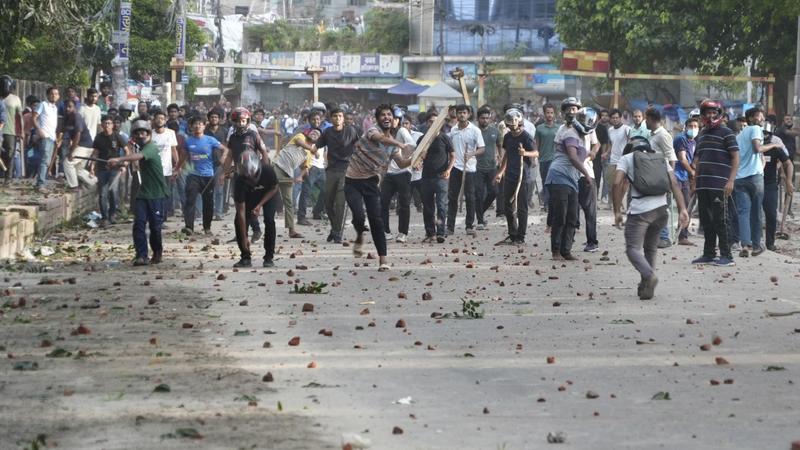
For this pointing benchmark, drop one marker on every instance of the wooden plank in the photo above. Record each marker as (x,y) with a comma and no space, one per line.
(430,135)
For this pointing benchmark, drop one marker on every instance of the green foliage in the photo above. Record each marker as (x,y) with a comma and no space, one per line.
(665,36)
(57,42)
(312,288)
(497,89)
(386,32)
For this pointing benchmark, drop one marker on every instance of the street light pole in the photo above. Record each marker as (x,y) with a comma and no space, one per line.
(796,99)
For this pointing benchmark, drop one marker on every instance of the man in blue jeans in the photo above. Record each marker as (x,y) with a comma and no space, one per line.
(150,199)
(45,122)
(748,189)
(436,167)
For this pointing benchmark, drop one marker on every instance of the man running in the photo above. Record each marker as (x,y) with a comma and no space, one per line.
(485,191)
(107,144)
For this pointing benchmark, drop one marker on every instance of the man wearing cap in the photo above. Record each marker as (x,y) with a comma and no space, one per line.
(152,194)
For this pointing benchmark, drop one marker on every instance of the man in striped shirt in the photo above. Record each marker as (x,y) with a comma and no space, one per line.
(716,162)
(368,164)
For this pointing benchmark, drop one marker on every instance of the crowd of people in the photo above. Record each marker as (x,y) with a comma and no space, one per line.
(340,160)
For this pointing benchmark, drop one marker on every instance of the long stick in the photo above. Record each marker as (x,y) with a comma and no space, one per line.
(89,158)
(786,202)
(519,184)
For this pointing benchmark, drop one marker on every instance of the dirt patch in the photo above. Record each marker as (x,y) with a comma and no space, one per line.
(100,355)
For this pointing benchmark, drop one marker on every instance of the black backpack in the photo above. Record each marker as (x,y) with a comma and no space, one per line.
(650,174)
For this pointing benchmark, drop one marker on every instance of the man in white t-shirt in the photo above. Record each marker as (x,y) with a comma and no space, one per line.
(617,138)
(167,143)
(12,128)
(647,216)
(91,112)
(45,121)
(468,143)
(587,193)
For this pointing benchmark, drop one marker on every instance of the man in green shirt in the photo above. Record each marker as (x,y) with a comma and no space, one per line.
(545,139)
(487,164)
(149,205)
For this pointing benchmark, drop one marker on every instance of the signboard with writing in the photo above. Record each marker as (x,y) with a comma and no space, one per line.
(336,65)
(350,64)
(370,64)
(180,38)
(125,27)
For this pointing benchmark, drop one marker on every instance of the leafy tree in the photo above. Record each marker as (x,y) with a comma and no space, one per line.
(664,36)
(386,32)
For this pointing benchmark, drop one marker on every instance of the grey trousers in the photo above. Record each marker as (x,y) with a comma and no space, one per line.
(642,233)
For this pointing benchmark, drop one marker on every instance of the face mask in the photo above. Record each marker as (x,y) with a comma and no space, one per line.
(691,132)
(790,125)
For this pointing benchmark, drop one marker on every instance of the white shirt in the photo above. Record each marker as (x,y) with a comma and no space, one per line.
(590,140)
(618,137)
(91,115)
(643,204)
(165,141)
(318,160)
(48,119)
(405,137)
(466,140)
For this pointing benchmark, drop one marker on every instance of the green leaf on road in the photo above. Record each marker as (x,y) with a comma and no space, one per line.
(190,433)
(26,365)
(59,353)
(280,406)
(774,368)
(246,398)
(622,321)
(162,388)
(241,333)
(661,395)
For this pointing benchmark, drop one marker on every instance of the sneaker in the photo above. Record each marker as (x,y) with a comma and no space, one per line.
(330,237)
(217,218)
(187,231)
(141,261)
(268,263)
(507,241)
(470,232)
(591,248)
(744,252)
(772,248)
(401,238)
(156,259)
(337,239)
(256,236)
(428,239)
(735,247)
(648,288)
(664,243)
(389,236)
(440,239)
(704,260)
(519,242)
(303,221)
(244,262)
(724,262)
(569,257)
(758,251)
(481,226)
(103,223)
(451,231)
(207,231)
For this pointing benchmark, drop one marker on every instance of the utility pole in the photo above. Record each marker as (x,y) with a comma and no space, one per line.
(442,12)
(220,47)
(796,99)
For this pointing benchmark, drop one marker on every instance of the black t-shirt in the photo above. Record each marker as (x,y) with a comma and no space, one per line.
(788,141)
(771,168)
(107,146)
(511,148)
(238,143)
(438,157)
(245,191)
(340,146)
(75,125)
(220,136)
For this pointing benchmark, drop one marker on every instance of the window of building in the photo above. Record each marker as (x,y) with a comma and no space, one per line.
(357,2)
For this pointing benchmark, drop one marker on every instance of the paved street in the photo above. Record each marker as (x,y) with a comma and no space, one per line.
(564,348)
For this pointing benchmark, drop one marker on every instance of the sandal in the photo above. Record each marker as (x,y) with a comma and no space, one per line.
(358,250)
(384,267)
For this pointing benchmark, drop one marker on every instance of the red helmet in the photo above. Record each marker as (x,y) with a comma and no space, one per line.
(239,113)
(715,105)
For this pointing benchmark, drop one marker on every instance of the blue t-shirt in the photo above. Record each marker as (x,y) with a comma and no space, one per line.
(749,159)
(201,150)
(682,143)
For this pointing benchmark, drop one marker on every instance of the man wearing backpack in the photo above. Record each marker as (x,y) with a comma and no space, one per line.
(650,180)
(661,141)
